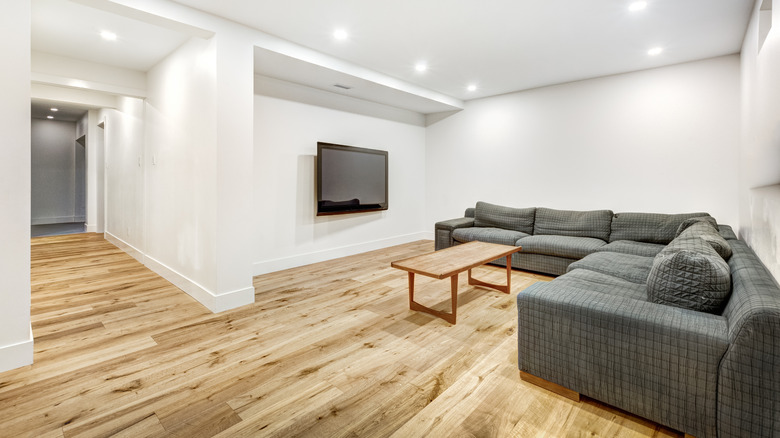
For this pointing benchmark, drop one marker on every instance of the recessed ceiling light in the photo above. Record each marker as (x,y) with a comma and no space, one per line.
(472,87)
(637,6)
(421,67)
(55,109)
(340,34)
(49,117)
(108,35)
(655,51)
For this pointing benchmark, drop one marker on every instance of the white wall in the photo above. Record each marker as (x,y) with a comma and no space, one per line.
(288,232)
(662,140)
(759,185)
(124,185)
(198,156)
(53,179)
(180,137)
(16,343)
(95,162)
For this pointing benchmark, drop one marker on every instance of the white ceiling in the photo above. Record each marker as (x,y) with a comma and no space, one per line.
(66,28)
(501,45)
(41,108)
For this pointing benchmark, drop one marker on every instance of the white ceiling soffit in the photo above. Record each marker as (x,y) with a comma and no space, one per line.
(287,68)
(73,29)
(500,46)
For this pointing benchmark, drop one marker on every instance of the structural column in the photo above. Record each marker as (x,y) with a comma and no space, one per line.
(16,343)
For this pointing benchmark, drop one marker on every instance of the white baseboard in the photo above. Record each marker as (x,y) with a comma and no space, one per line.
(266,266)
(89,228)
(428,235)
(124,246)
(214,302)
(56,220)
(17,355)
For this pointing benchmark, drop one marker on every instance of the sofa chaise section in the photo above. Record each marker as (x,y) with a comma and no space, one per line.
(601,331)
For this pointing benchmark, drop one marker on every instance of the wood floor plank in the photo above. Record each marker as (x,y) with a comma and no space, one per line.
(329,349)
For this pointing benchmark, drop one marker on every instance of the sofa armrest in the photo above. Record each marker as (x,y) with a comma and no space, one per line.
(443,230)
(656,361)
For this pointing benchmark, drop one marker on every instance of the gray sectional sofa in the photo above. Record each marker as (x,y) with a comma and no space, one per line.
(669,317)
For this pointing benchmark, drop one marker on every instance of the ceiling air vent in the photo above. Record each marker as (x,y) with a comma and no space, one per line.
(343,87)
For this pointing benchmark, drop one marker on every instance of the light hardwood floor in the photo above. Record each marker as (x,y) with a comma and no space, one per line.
(326,350)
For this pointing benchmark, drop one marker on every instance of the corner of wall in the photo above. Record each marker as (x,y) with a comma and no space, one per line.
(17,355)
(214,302)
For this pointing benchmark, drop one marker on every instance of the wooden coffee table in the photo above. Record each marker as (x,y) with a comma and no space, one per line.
(448,263)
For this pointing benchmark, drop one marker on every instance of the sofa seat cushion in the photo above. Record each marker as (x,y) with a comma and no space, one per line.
(560,246)
(485,234)
(648,227)
(634,248)
(588,280)
(595,224)
(496,216)
(688,273)
(627,267)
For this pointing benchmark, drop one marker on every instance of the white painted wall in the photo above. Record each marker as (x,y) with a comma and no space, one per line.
(180,192)
(124,176)
(759,184)
(288,232)
(16,343)
(53,179)
(95,174)
(662,140)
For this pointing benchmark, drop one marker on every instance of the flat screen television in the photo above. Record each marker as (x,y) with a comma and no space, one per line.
(350,179)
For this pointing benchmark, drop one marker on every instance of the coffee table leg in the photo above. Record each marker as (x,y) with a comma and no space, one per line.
(454,290)
(449,317)
(411,289)
(499,287)
(508,273)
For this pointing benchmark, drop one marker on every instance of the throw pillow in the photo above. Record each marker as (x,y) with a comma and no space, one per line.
(696,220)
(708,231)
(688,273)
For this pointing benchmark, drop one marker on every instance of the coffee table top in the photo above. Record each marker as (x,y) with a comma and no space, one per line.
(453,260)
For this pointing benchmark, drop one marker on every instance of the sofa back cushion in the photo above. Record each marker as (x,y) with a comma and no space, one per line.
(595,223)
(648,227)
(688,273)
(508,218)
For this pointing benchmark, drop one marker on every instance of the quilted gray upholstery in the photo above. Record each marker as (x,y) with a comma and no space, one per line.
(688,273)
(709,232)
(491,235)
(561,246)
(594,223)
(497,216)
(632,268)
(634,248)
(658,362)
(648,227)
(700,220)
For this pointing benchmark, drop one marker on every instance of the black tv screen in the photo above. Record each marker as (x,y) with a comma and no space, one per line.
(350,179)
